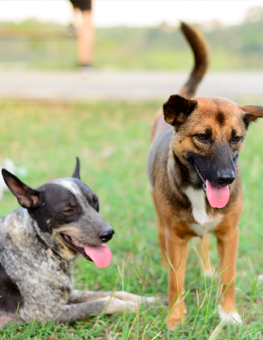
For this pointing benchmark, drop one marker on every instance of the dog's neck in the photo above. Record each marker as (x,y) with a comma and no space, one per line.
(52,242)
(173,173)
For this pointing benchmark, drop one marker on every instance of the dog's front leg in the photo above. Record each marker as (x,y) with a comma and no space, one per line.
(204,258)
(177,256)
(227,244)
(80,311)
(78,296)
(160,232)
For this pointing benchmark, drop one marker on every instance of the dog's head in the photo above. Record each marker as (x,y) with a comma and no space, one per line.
(68,209)
(210,133)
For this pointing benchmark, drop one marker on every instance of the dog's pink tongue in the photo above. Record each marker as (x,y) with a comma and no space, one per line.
(100,255)
(217,196)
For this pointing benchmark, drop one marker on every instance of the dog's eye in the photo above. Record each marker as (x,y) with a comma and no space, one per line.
(236,139)
(68,211)
(96,203)
(202,137)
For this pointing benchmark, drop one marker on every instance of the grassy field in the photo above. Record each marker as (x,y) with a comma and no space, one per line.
(112,139)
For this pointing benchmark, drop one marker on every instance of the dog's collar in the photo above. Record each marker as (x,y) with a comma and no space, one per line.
(58,248)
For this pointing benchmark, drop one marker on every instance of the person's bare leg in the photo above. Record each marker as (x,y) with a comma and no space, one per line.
(85,39)
(75,18)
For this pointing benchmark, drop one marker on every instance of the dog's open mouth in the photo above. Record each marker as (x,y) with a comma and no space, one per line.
(100,255)
(217,196)
(201,177)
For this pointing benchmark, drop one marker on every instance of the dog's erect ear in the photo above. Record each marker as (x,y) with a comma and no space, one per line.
(251,113)
(77,169)
(26,196)
(177,109)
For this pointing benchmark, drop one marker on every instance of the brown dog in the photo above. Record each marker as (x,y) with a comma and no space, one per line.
(194,174)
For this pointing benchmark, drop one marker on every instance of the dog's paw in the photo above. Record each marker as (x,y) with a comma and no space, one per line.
(116,305)
(172,324)
(209,272)
(176,317)
(149,300)
(229,317)
(138,299)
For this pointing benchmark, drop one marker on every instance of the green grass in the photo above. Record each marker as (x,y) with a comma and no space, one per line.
(47,138)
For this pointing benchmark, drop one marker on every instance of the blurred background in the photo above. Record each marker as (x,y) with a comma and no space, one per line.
(52,111)
(139,51)
(131,35)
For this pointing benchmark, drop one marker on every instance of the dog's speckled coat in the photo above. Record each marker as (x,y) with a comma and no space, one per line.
(36,261)
(44,279)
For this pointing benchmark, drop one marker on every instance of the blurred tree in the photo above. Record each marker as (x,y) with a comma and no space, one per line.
(254,14)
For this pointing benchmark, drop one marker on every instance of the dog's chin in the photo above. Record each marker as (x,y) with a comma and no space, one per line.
(75,245)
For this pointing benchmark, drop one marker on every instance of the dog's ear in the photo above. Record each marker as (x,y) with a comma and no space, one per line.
(77,170)
(177,109)
(26,196)
(251,113)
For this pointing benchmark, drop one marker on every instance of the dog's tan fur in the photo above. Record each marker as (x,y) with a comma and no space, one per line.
(174,180)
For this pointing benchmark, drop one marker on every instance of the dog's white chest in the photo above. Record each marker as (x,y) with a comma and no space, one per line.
(205,223)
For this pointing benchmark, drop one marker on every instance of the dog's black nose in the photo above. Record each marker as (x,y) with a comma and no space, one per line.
(225,177)
(106,235)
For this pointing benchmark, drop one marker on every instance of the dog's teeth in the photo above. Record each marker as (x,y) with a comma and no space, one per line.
(77,243)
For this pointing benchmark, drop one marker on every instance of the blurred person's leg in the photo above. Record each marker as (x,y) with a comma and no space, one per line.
(83,24)
(85,39)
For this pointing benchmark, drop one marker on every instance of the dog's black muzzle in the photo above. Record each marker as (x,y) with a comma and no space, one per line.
(218,170)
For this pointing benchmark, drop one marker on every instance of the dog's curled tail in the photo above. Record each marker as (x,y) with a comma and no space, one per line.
(200,48)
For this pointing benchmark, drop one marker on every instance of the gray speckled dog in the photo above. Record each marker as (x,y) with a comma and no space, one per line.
(38,247)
